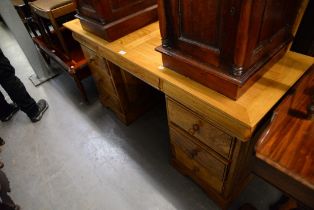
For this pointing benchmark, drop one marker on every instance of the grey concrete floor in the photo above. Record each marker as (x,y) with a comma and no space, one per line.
(81,157)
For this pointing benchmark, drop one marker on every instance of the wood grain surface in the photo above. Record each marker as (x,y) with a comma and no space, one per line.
(288,143)
(136,54)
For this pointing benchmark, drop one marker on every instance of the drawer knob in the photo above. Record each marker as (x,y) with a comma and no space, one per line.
(92,59)
(193,153)
(195,128)
(310,110)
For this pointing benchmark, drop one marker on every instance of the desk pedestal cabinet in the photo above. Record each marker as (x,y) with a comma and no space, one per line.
(212,158)
(127,96)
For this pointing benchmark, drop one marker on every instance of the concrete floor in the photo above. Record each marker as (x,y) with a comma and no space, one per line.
(81,157)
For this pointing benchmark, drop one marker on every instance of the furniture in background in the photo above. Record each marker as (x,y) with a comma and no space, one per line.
(114,19)
(304,40)
(227,45)
(56,42)
(47,13)
(212,136)
(285,151)
(26,16)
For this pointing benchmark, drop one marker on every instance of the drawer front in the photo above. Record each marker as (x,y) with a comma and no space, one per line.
(202,130)
(196,153)
(184,157)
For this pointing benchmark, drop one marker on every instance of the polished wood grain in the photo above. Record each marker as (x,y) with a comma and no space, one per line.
(197,143)
(224,44)
(237,118)
(288,143)
(202,163)
(114,19)
(199,128)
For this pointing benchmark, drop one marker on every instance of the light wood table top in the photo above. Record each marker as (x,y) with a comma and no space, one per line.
(136,54)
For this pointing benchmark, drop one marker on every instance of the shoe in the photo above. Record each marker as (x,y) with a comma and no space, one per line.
(1,164)
(10,206)
(42,107)
(2,142)
(14,108)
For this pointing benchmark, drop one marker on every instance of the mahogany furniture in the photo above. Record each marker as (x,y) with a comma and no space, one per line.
(24,12)
(52,10)
(212,136)
(225,45)
(58,44)
(112,19)
(285,151)
(304,40)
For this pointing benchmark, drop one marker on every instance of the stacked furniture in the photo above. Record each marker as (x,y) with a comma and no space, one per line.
(55,42)
(225,45)
(123,93)
(212,136)
(114,19)
(237,48)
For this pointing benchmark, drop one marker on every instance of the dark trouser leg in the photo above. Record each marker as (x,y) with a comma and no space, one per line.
(6,199)
(15,88)
(4,106)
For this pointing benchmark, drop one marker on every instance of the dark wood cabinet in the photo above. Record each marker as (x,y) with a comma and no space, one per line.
(112,19)
(225,44)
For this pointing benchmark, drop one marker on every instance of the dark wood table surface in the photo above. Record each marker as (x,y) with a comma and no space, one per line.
(287,145)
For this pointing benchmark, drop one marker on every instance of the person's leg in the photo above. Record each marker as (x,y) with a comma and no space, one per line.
(15,88)
(6,199)
(7,110)
(4,106)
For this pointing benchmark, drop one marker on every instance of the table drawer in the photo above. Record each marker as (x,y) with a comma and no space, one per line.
(198,161)
(195,152)
(208,134)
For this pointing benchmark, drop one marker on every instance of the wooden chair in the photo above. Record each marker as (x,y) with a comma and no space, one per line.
(57,42)
(24,12)
(50,11)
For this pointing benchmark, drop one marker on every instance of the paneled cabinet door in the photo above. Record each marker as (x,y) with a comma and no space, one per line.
(237,33)
(225,44)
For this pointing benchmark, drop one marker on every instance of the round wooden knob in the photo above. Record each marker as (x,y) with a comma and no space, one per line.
(193,153)
(92,59)
(194,129)
(310,111)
